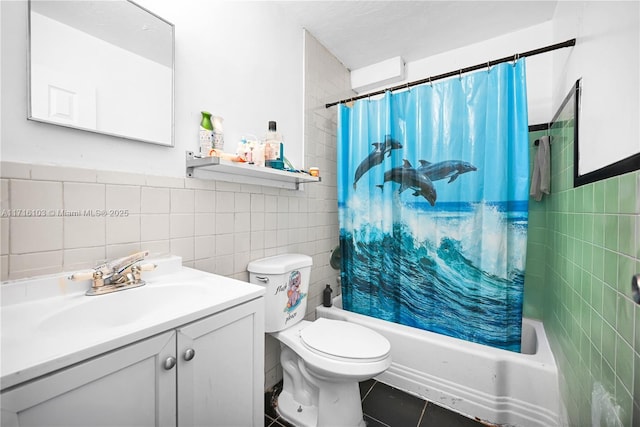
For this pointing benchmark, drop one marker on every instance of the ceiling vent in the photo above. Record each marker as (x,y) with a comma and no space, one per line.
(377,75)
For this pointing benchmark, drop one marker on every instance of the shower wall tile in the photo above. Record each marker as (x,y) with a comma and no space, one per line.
(590,251)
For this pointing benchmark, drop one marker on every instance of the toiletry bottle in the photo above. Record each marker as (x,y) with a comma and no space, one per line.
(206,134)
(272,142)
(258,154)
(326,296)
(218,133)
(241,149)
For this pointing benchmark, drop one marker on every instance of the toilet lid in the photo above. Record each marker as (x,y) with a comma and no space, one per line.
(346,340)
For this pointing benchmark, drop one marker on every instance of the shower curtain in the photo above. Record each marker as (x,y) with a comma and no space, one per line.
(432,203)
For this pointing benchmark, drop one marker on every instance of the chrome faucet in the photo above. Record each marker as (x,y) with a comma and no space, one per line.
(119,274)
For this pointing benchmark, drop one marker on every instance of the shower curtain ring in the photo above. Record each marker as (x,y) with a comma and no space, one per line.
(460,74)
(430,82)
(488,66)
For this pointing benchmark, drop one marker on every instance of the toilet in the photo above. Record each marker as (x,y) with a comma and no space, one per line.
(322,361)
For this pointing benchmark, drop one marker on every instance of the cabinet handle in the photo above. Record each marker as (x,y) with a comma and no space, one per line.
(189,354)
(169,363)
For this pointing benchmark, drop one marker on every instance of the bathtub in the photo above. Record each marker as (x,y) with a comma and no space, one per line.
(493,385)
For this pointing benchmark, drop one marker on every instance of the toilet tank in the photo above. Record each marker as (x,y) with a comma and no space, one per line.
(286,278)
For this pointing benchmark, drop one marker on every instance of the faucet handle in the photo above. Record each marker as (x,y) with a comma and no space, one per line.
(137,269)
(146,267)
(95,275)
(82,275)
(121,264)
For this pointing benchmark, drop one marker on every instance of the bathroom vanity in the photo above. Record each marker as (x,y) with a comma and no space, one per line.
(185,349)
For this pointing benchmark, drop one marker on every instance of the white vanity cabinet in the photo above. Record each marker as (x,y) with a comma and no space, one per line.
(223,384)
(208,372)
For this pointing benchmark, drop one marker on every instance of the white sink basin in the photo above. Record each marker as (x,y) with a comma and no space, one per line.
(125,307)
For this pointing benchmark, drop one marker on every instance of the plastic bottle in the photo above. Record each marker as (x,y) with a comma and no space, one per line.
(206,134)
(326,296)
(272,142)
(258,154)
(241,149)
(218,133)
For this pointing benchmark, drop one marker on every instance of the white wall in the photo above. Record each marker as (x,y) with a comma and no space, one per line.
(62,55)
(538,67)
(606,57)
(240,60)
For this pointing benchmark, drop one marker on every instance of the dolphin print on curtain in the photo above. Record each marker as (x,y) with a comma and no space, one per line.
(432,203)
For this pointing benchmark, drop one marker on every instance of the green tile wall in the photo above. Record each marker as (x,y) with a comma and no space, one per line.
(583,248)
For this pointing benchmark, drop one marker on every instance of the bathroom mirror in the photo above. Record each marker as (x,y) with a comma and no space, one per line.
(102,66)
(566,125)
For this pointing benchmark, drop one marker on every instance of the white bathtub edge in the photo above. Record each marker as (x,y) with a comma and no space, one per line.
(508,405)
(467,401)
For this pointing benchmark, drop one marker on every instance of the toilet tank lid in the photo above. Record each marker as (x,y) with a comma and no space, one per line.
(279,264)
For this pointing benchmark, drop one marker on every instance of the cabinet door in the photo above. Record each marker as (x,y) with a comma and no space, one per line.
(126,387)
(222,383)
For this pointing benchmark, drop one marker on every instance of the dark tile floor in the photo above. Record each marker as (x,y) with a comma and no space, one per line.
(385,406)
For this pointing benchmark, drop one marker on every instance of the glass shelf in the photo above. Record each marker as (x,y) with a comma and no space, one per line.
(215,168)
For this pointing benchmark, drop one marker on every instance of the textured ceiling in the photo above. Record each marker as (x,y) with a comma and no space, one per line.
(361,33)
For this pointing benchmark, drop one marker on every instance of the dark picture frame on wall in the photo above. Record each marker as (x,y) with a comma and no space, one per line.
(566,123)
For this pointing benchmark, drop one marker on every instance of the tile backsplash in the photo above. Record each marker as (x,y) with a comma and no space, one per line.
(62,223)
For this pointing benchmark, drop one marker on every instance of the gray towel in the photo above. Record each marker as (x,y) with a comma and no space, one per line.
(541,178)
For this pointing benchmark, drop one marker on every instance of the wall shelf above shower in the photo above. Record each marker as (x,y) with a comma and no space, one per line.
(214,168)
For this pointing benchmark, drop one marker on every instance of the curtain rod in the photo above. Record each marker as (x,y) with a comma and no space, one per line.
(545,49)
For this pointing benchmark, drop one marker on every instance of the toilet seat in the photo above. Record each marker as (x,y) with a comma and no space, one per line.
(342,340)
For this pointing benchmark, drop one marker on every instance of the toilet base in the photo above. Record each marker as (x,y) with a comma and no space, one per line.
(307,416)
(296,414)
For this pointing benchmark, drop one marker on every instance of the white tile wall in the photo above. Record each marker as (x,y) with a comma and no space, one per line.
(78,196)
(35,195)
(83,258)
(155,200)
(84,231)
(33,234)
(123,198)
(122,229)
